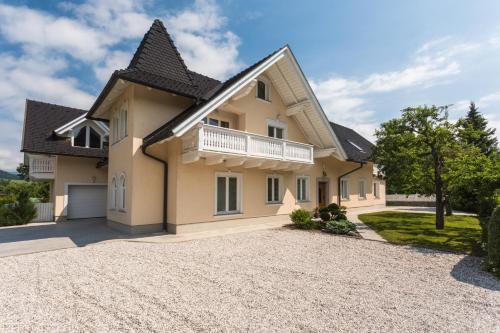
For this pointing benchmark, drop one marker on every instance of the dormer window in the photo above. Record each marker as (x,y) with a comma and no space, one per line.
(262,90)
(87,137)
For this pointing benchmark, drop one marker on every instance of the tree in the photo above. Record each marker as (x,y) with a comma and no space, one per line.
(23,171)
(473,130)
(413,151)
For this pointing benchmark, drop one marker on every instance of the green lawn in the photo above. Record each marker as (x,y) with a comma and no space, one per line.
(460,234)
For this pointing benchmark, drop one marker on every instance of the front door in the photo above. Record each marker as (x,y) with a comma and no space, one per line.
(322,193)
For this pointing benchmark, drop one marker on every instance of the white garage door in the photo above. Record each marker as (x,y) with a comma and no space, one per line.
(86,201)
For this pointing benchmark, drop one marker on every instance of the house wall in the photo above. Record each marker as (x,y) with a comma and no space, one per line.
(147,110)
(71,170)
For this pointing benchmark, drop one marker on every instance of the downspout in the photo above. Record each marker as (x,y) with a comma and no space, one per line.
(339,195)
(165,184)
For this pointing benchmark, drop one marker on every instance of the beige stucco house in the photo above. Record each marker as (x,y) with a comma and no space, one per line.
(165,148)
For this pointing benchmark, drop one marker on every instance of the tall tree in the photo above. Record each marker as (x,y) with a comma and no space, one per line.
(23,171)
(473,130)
(413,151)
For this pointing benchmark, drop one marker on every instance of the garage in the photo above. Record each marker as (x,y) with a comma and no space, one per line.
(86,201)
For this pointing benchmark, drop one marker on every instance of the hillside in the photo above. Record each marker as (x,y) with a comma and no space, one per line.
(7,175)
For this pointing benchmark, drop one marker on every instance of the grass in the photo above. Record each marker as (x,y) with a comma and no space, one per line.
(460,234)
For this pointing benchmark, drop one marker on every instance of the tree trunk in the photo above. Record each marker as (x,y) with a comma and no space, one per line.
(438,182)
(447,205)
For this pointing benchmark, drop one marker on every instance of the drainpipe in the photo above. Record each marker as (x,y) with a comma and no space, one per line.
(165,184)
(339,196)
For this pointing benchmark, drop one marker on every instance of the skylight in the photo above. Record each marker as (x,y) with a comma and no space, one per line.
(356,146)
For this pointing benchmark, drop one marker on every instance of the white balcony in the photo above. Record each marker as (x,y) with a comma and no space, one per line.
(235,148)
(41,167)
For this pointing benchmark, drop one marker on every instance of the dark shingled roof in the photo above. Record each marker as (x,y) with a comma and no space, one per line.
(158,64)
(165,131)
(40,121)
(349,139)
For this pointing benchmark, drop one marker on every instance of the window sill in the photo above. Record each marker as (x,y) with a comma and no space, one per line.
(345,199)
(361,198)
(302,201)
(274,203)
(263,100)
(122,210)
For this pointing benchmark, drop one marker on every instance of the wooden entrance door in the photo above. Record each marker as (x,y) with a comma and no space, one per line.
(322,194)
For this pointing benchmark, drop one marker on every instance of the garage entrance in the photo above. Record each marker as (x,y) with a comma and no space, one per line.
(86,201)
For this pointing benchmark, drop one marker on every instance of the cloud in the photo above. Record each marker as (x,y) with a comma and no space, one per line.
(346,100)
(205,46)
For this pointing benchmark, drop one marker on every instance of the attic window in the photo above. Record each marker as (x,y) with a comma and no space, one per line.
(356,146)
(262,90)
(87,137)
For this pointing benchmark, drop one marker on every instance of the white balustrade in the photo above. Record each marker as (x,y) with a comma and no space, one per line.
(224,140)
(42,165)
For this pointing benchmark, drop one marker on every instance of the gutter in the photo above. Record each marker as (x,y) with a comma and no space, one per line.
(165,184)
(339,195)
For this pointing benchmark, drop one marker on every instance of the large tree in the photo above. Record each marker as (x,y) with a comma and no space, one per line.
(473,130)
(413,151)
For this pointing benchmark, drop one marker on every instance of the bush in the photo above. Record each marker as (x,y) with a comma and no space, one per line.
(493,246)
(325,216)
(337,212)
(341,227)
(22,211)
(302,219)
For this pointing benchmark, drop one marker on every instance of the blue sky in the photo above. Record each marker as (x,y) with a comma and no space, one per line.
(366,60)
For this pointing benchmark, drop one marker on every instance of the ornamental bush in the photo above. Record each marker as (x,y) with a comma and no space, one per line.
(302,219)
(325,216)
(341,227)
(493,246)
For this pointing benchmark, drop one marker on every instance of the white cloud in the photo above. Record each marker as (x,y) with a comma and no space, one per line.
(346,100)
(205,46)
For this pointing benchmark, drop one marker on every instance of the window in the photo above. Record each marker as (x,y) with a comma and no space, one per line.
(87,137)
(274,185)
(276,129)
(302,188)
(216,122)
(344,189)
(362,189)
(114,192)
(228,197)
(120,124)
(376,190)
(121,192)
(262,90)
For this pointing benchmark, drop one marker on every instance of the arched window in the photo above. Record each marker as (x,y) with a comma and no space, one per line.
(122,192)
(114,190)
(87,137)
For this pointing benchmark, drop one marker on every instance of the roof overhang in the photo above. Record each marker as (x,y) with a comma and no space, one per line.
(78,121)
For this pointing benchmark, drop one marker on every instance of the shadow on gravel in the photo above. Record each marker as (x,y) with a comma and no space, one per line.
(469,270)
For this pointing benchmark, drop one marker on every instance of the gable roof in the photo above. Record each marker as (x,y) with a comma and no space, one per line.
(158,64)
(41,120)
(166,130)
(356,147)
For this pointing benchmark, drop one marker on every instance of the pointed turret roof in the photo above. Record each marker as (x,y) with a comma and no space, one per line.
(158,55)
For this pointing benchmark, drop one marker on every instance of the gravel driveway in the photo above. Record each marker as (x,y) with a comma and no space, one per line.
(273,280)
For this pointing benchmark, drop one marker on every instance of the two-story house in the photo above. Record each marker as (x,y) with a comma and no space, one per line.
(164,147)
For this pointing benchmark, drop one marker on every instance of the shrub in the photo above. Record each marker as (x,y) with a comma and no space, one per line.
(325,216)
(493,246)
(302,219)
(8,217)
(337,212)
(341,227)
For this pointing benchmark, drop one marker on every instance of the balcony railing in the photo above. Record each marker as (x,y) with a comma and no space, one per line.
(42,167)
(223,140)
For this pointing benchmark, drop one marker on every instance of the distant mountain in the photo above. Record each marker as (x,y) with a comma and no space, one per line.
(8,175)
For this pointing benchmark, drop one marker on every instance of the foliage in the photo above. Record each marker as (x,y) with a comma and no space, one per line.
(341,227)
(462,234)
(23,171)
(23,207)
(302,219)
(493,247)
(474,131)
(325,216)
(336,212)
(38,190)
(474,179)
(412,153)
(8,217)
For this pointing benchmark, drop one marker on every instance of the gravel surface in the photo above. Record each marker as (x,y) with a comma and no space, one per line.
(273,280)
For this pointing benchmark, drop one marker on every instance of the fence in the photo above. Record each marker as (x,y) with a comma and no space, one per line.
(45,212)
(410,200)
